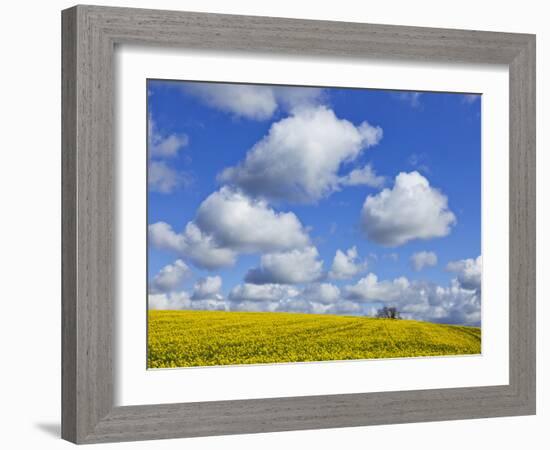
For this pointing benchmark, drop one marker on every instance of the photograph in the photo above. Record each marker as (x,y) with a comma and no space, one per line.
(296,224)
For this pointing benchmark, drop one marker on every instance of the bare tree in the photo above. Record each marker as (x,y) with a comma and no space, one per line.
(388,313)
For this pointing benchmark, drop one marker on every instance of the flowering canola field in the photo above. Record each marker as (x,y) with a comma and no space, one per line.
(211,338)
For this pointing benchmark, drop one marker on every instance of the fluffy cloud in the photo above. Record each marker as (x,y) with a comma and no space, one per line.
(203,249)
(300,157)
(170,277)
(411,210)
(423,259)
(228,223)
(164,145)
(346,265)
(262,293)
(162,236)
(452,304)
(325,293)
(369,289)
(253,101)
(162,178)
(468,272)
(174,300)
(206,296)
(347,307)
(363,176)
(420,300)
(200,248)
(182,300)
(316,298)
(254,306)
(244,224)
(291,267)
(292,98)
(417,300)
(208,287)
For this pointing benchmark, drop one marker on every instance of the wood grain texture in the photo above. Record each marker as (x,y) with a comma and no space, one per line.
(68,226)
(523,224)
(89,36)
(88,211)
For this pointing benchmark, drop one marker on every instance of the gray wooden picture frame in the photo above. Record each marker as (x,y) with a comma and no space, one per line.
(90,34)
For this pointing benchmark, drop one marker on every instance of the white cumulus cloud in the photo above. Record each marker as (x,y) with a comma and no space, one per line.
(164,145)
(238,222)
(318,298)
(228,223)
(301,155)
(364,176)
(369,289)
(200,248)
(181,300)
(292,98)
(412,209)
(161,177)
(169,301)
(416,300)
(452,304)
(253,101)
(262,293)
(419,300)
(170,277)
(208,287)
(419,260)
(164,179)
(290,267)
(325,293)
(468,272)
(346,265)
(347,307)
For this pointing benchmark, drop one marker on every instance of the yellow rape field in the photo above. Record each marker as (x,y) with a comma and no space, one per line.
(209,338)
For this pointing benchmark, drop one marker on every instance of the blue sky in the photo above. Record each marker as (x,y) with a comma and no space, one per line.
(391,180)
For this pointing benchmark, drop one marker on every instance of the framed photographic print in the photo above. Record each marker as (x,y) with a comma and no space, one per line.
(287,215)
(276,260)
